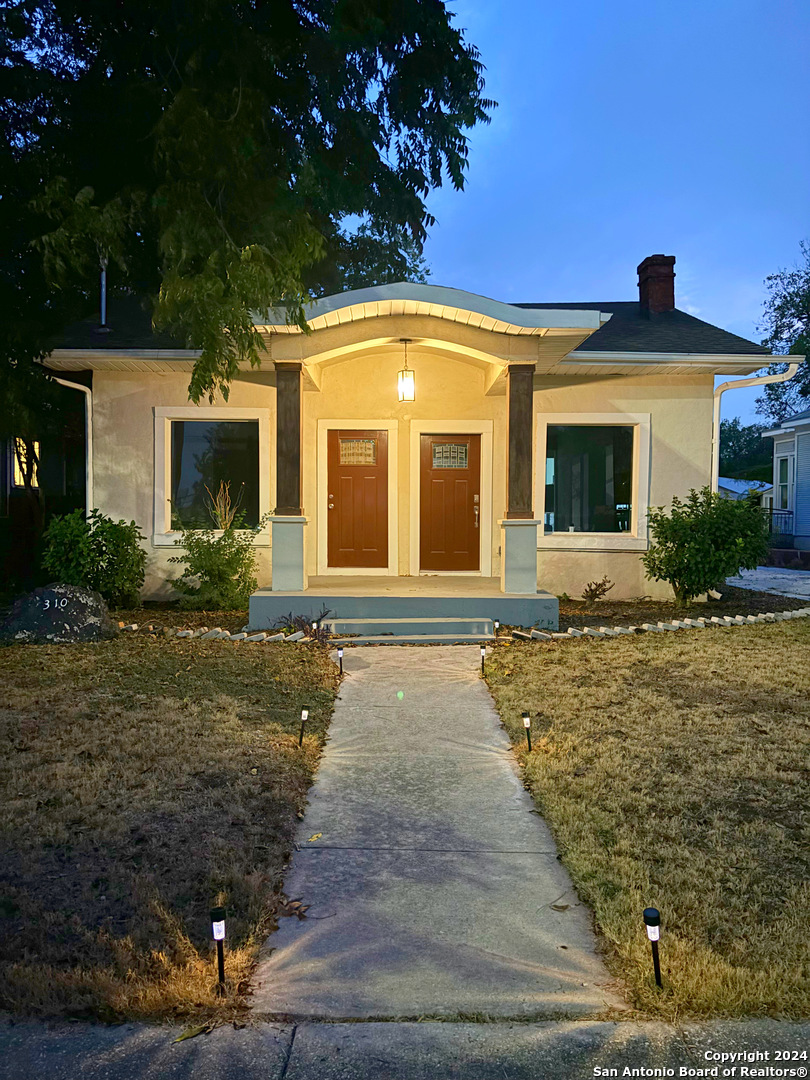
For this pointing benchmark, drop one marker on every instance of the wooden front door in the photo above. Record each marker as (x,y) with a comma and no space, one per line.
(357,504)
(450,502)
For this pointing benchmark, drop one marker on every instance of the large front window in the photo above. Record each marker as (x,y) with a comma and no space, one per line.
(204,454)
(589,479)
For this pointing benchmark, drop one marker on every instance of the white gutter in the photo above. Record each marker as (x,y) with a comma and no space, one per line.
(88,428)
(763,380)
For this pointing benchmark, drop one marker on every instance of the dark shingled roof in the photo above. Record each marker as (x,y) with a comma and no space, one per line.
(631,329)
(129,326)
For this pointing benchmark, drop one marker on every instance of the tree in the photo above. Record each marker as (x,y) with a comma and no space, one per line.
(223,157)
(787,327)
(743,452)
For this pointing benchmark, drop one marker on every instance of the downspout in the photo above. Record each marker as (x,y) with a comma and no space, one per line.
(88,433)
(763,380)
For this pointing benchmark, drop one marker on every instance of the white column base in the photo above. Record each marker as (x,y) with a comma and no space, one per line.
(519,555)
(289,572)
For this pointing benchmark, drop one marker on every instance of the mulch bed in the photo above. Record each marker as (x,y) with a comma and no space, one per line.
(581,613)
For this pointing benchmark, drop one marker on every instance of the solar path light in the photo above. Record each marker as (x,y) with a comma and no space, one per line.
(497,626)
(527,723)
(304,718)
(340,658)
(218,930)
(483,657)
(652,920)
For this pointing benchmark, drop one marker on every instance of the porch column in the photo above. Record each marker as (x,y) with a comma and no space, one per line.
(288,521)
(519,528)
(288,440)
(519,454)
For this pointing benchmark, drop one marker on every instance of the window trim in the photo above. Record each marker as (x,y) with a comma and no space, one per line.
(638,538)
(162,533)
(790,458)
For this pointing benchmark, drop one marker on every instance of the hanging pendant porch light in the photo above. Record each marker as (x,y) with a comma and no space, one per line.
(406,389)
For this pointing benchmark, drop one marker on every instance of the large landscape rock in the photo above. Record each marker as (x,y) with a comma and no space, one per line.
(58,614)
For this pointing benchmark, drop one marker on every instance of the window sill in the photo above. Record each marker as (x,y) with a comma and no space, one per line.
(171,539)
(592,542)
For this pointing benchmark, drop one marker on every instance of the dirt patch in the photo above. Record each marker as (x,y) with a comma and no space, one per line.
(581,613)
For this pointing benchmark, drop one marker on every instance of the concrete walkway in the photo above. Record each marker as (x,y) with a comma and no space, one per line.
(31,1050)
(434,888)
(773,579)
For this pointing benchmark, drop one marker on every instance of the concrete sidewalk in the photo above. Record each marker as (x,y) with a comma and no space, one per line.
(434,887)
(30,1050)
(774,579)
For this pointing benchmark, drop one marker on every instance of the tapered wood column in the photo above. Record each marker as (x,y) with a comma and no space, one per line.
(288,440)
(519,454)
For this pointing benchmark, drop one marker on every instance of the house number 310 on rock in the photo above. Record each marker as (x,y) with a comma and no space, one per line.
(55,602)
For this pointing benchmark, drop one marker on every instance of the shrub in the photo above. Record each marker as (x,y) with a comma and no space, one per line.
(704,540)
(597,590)
(220,571)
(97,553)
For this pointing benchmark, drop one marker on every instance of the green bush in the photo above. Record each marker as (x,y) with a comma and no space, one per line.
(704,540)
(97,553)
(220,572)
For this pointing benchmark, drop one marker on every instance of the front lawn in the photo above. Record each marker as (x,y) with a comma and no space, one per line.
(142,781)
(674,772)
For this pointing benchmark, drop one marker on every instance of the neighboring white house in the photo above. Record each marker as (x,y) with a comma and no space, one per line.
(741,489)
(791,474)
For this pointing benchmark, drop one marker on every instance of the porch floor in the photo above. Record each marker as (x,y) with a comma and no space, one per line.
(435,596)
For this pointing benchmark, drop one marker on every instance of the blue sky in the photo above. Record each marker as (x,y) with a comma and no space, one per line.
(626,128)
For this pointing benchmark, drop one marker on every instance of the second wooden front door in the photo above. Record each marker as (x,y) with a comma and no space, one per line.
(357,506)
(450,502)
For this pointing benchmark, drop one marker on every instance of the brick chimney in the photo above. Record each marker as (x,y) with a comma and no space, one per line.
(656,284)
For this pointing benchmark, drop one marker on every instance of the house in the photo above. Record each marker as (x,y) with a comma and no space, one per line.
(423,450)
(731,488)
(791,477)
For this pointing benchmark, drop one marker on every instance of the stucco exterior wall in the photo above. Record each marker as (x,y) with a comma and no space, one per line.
(124,454)
(362,388)
(680,410)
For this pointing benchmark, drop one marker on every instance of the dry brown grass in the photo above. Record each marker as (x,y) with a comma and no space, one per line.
(142,781)
(674,773)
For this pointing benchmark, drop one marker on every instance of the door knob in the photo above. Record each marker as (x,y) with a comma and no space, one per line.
(331,506)
(475,508)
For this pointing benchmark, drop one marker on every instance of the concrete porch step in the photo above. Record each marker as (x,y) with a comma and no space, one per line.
(414,639)
(399,626)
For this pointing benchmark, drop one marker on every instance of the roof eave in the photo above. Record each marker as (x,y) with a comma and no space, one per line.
(439,301)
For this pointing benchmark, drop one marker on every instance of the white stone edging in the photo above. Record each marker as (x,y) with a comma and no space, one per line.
(202,633)
(602,632)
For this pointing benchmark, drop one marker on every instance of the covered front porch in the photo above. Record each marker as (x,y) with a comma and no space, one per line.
(391,598)
(404,457)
